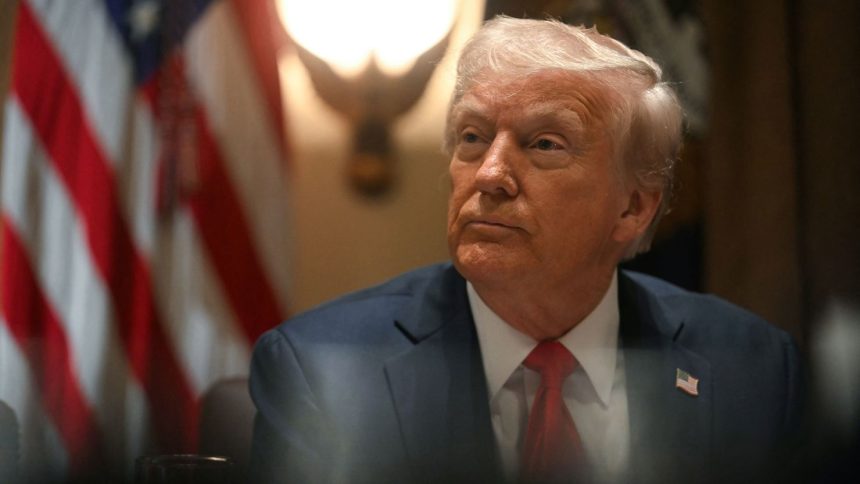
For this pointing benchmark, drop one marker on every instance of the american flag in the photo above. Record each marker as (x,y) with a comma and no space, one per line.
(686,382)
(144,221)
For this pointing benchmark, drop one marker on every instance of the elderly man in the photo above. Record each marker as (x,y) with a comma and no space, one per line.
(532,357)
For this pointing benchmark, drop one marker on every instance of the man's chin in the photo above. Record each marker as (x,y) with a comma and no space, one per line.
(484,265)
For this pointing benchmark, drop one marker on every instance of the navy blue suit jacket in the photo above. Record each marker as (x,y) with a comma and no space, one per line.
(387,385)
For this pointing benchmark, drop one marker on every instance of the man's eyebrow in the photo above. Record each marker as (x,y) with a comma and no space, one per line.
(467,107)
(535,115)
(552,112)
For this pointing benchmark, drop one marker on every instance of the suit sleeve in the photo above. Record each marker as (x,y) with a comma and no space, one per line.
(289,428)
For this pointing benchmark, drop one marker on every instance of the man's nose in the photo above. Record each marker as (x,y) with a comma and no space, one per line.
(496,174)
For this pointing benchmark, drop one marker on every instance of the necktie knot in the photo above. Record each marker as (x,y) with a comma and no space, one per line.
(553,361)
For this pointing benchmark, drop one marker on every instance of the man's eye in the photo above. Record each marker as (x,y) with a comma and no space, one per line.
(544,144)
(470,138)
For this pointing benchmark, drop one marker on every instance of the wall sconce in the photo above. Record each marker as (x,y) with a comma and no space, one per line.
(370,61)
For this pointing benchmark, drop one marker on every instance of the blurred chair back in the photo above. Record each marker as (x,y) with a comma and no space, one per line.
(8,444)
(227,421)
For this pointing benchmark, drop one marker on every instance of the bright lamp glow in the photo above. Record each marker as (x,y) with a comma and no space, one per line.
(346,33)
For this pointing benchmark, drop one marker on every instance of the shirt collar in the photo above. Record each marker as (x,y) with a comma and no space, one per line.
(594,342)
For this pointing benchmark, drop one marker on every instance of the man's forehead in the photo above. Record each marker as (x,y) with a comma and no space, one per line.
(549,97)
(540,109)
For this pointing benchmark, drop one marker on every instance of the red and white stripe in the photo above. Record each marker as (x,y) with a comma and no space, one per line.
(114,322)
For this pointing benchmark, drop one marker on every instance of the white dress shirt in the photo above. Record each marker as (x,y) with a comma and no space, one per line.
(595,394)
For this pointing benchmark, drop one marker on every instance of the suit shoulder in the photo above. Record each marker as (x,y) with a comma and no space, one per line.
(680,299)
(360,310)
(706,317)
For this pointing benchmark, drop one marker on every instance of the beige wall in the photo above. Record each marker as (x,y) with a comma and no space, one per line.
(343,241)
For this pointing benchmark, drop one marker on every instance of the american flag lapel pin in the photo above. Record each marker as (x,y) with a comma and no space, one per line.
(686,382)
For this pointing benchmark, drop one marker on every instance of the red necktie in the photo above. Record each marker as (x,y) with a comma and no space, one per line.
(552,451)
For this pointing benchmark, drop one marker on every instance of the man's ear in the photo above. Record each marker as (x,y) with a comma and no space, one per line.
(641,207)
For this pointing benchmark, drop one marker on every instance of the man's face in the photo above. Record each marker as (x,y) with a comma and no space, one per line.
(536,195)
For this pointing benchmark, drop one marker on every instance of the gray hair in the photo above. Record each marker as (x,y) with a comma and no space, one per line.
(647,116)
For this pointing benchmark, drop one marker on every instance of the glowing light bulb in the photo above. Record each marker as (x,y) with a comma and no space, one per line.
(346,33)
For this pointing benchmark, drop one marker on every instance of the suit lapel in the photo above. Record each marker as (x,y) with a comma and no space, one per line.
(670,430)
(439,389)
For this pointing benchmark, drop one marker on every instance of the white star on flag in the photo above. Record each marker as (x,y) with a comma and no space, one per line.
(143,19)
